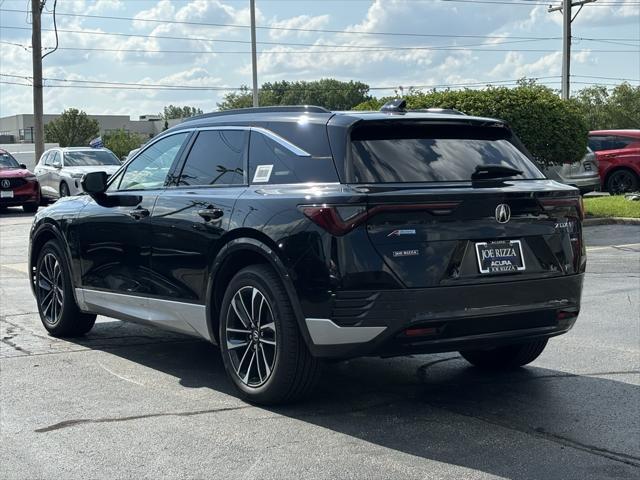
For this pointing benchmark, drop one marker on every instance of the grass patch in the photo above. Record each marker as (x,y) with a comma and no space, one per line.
(615,206)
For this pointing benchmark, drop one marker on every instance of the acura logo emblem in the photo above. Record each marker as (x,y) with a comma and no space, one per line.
(5,183)
(503,213)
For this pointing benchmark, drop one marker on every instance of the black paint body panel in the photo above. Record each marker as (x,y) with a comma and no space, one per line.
(354,279)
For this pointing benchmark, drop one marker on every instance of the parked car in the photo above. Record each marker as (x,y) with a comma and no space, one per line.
(582,174)
(289,235)
(618,153)
(60,170)
(18,186)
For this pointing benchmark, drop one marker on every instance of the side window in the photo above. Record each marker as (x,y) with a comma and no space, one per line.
(149,169)
(272,163)
(620,142)
(216,158)
(46,158)
(596,143)
(54,158)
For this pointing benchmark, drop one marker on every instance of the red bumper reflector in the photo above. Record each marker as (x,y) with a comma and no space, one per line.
(420,332)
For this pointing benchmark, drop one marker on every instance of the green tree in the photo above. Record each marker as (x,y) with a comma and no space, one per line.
(552,129)
(175,111)
(72,129)
(610,109)
(327,92)
(122,142)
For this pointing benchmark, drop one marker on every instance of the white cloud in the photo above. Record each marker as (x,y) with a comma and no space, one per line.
(301,21)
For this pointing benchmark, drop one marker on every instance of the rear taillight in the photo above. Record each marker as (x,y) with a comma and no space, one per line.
(341,219)
(564,202)
(336,220)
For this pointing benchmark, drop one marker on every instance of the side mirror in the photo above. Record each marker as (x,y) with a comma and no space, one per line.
(57,164)
(23,166)
(94,183)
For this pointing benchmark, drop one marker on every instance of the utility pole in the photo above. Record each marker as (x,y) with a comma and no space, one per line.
(36,50)
(254,59)
(566,40)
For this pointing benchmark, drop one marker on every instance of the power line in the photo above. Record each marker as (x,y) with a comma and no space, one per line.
(107,84)
(299,29)
(172,37)
(308,52)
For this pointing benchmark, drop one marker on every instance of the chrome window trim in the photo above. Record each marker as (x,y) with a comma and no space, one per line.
(264,131)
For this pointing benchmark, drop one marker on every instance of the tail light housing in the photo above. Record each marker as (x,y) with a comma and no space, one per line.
(341,219)
(553,203)
(575,232)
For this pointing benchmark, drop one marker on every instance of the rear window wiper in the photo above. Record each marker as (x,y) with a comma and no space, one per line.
(494,171)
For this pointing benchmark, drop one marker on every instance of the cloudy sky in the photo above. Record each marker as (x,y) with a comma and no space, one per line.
(200,48)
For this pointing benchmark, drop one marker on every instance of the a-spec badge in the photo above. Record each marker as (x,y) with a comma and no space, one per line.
(397,233)
(406,253)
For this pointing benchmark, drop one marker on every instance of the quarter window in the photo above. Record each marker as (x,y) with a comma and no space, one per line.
(216,158)
(150,168)
(272,163)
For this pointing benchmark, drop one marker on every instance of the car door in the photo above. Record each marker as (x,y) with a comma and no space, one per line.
(115,233)
(53,174)
(193,215)
(41,172)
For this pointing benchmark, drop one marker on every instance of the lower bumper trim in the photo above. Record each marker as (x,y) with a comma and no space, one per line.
(324,332)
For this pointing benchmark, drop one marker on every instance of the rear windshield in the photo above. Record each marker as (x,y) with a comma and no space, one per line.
(428,153)
(87,157)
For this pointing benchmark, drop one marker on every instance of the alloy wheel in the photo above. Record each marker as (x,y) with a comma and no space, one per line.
(50,288)
(622,182)
(251,336)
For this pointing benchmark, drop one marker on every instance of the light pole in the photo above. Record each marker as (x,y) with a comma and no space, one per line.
(254,59)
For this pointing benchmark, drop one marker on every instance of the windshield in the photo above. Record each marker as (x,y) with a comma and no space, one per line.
(7,161)
(422,153)
(90,157)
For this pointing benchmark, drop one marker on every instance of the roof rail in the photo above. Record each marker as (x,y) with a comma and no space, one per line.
(271,109)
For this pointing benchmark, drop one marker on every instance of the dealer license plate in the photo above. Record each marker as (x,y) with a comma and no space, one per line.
(6,194)
(501,256)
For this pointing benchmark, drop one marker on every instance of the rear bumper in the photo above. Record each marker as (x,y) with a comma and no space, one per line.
(444,318)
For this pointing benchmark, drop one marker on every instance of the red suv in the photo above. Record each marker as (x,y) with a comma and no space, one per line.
(18,186)
(618,153)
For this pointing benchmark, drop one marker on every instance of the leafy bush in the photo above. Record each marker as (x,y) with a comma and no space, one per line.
(606,109)
(73,128)
(326,92)
(552,129)
(122,142)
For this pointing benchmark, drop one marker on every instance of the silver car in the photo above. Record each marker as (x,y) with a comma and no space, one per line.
(60,170)
(582,174)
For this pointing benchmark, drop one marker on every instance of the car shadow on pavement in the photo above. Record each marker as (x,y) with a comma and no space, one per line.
(529,423)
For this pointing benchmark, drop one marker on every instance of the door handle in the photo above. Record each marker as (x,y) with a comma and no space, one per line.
(139,213)
(211,213)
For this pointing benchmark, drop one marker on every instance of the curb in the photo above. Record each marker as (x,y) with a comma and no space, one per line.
(591,222)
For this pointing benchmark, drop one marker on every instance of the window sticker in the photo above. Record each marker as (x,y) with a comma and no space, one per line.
(263,173)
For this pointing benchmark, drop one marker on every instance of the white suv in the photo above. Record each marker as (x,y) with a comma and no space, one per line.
(60,170)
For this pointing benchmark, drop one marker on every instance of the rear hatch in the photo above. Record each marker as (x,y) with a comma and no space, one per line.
(435,226)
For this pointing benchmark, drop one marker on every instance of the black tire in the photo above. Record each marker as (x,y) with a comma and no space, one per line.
(64,190)
(294,372)
(30,207)
(507,357)
(622,181)
(64,319)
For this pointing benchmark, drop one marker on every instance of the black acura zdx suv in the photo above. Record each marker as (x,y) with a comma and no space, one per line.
(291,235)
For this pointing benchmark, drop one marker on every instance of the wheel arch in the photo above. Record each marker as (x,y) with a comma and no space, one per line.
(43,233)
(238,253)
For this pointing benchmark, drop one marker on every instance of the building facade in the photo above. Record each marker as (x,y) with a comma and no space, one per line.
(19,128)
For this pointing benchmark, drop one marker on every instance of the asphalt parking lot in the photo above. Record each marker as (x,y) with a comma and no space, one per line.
(132,402)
